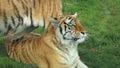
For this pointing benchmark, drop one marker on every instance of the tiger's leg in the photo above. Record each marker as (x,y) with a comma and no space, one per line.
(17,35)
(81,65)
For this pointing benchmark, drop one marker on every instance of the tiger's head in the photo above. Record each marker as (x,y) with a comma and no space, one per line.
(68,30)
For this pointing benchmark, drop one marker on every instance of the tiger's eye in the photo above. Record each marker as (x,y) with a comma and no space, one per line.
(69,18)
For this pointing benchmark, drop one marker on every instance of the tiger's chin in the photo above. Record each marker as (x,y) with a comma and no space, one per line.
(72,41)
(80,40)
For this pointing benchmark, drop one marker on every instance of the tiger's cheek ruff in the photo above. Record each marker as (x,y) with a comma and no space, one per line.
(61,38)
(65,38)
(66,34)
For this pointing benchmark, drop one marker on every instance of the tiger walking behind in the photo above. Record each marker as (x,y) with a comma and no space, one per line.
(55,48)
(19,17)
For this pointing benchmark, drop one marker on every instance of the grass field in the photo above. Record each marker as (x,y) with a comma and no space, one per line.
(101,18)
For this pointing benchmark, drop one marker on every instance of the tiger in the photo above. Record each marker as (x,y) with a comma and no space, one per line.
(20,17)
(55,48)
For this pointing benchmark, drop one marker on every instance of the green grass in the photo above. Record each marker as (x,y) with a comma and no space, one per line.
(101,18)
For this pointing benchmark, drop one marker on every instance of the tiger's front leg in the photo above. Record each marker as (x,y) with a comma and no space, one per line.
(81,65)
(20,34)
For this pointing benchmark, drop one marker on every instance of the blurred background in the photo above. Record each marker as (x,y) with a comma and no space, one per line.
(101,19)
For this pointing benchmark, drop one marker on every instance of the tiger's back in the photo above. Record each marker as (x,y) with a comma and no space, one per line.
(18,15)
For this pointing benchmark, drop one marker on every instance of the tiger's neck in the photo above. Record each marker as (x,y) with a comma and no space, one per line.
(69,52)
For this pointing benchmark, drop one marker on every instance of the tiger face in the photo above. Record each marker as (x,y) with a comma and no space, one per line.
(69,30)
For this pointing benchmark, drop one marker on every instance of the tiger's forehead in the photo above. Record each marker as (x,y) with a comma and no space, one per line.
(64,19)
(78,26)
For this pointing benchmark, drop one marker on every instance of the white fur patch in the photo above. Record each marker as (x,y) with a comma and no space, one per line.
(27,20)
(38,23)
(67,21)
(2,28)
(81,65)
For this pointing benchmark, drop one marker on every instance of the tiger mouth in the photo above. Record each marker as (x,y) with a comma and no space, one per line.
(75,39)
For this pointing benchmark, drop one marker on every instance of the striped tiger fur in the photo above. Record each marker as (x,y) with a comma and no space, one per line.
(55,48)
(23,16)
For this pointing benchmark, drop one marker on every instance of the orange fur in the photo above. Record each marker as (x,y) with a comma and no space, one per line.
(16,16)
(45,50)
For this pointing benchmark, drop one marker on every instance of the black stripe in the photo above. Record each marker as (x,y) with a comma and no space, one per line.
(39,1)
(9,28)
(66,23)
(20,20)
(60,30)
(16,56)
(23,5)
(0,9)
(15,7)
(13,21)
(25,1)
(19,17)
(44,21)
(5,18)
(48,63)
(31,17)
(18,25)
(27,55)
(16,11)
(65,27)
(24,53)
(26,11)
(71,21)
(34,3)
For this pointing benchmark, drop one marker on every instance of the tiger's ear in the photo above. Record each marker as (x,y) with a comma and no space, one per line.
(75,15)
(54,22)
